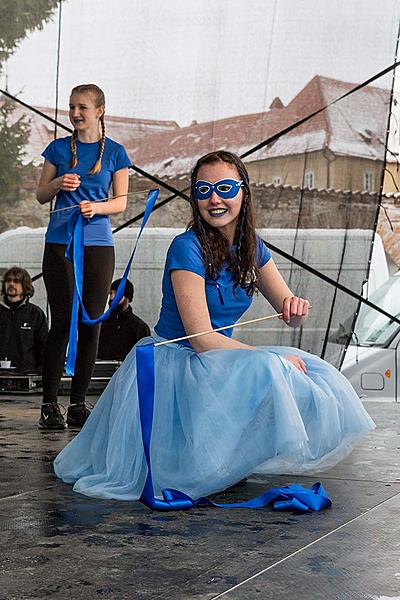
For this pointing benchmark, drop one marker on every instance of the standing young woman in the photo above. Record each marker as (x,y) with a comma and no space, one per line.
(222,409)
(79,171)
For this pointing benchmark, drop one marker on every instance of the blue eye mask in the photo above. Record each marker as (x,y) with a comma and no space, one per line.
(225,188)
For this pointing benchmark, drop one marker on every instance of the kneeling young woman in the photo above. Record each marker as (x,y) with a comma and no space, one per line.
(222,409)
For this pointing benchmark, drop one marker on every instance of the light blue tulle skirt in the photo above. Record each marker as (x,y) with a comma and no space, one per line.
(218,417)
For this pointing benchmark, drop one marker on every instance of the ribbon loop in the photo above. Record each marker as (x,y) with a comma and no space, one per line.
(292,497)
(75,252)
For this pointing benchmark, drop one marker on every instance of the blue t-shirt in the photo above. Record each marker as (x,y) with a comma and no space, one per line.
(185,254)
(97,230)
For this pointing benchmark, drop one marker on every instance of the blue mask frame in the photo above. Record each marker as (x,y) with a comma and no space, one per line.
(225,188)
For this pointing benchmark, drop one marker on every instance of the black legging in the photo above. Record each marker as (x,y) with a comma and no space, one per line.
(59,281)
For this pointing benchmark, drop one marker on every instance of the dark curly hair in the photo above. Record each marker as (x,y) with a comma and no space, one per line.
(23,277)
(215,247)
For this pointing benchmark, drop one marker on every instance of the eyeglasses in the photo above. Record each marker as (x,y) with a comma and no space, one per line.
(225,188)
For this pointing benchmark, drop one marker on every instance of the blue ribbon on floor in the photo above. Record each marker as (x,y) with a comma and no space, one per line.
(292,497)
(75,253)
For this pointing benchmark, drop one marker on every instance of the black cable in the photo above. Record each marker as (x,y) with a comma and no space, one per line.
(35,110)
(393,179)
(333,303)
(168,187)
(57,68)
(387,216)
(57,82)
(141,215)
(356,312)
(358,87)
(331,282)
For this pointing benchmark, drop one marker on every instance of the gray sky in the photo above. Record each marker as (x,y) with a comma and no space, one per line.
(203,59)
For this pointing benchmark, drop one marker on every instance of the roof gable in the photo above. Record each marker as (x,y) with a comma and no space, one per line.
(354,126)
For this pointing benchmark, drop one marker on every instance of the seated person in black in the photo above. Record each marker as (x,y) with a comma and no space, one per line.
(120,332)
(23,325)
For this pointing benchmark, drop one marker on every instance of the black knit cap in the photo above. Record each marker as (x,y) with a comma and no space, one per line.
(128,293)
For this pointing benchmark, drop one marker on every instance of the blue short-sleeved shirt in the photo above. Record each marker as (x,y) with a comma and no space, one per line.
(185,254)
(97,230)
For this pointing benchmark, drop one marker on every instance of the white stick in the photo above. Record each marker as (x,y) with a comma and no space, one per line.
(99,200)
(188,337)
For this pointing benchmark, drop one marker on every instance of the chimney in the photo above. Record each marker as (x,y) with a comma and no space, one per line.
(277,103)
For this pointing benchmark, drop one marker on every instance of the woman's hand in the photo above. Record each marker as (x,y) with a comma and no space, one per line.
(297,362)
(88,209)
(50,184)
(68,182)
(294,310)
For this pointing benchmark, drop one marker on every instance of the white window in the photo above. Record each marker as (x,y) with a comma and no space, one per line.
(368,183)
(309,179)
(277,180)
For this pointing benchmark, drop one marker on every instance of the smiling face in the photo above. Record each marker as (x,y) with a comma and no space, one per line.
(221,213)
(83,112)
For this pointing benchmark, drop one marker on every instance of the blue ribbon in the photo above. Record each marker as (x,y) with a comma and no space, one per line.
(292,497)
(75,253)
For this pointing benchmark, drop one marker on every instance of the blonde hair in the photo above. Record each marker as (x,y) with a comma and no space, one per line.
(99,100)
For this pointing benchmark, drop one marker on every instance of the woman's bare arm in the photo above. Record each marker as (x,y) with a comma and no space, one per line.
(111,207)
(190,296)
(274,288)
(50,185)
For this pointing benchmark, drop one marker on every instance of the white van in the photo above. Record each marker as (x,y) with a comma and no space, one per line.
(322,249)
(372,361)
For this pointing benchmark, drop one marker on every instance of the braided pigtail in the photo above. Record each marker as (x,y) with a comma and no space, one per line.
(74,160)
(97,166)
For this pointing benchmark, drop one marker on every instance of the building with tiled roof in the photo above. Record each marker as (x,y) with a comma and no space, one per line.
(337,156)
(340,148)
(121,129)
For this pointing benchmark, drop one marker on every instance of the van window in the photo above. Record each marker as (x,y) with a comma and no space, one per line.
(373,328)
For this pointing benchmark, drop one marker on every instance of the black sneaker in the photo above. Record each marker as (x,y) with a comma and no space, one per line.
(51,417)
(77,414)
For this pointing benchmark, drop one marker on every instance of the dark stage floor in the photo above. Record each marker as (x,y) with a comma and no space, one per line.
(55,543)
